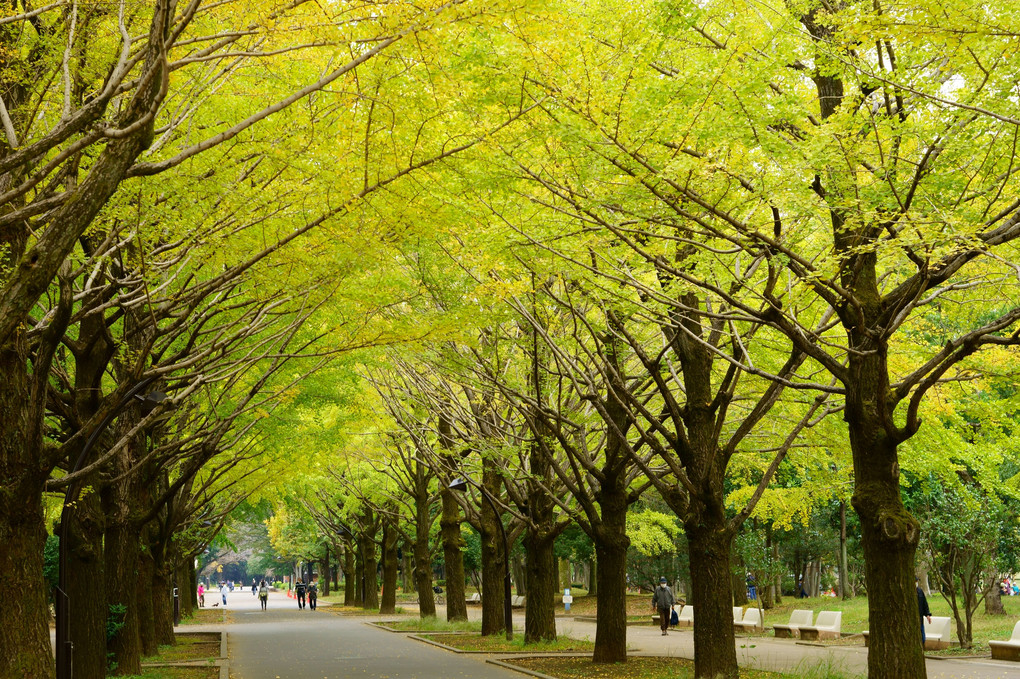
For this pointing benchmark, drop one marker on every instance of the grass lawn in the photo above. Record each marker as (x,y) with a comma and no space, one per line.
(433,625)
(211,672)
(204,616)
(640,667)
(497,643)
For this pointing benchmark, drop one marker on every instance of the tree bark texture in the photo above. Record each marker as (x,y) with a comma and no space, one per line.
(369,549)
(86,586)
(715,652)
(388,603)
(122,578)
(494,564)
(453,556)
(889,535)
(350,577)
(540,576)
(611,544)
(146,612)
(24,619)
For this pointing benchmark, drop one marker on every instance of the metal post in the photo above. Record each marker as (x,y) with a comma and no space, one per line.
(177,608)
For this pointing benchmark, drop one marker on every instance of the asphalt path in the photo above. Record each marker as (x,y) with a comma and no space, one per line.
(286,643)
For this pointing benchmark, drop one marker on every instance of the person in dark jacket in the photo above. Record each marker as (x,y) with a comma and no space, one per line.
(313,595)
(663,601)
(922,606)
(299,590)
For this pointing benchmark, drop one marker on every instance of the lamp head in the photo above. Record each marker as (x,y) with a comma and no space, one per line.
(459,484)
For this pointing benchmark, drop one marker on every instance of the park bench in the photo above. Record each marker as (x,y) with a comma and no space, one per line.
(1007,650)
(517,602)
(937,633)
(827,626)
(799,618)
(475,598)
(738,614)
(686,617)
(751,622)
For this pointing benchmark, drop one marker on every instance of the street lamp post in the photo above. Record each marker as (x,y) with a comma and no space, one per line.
(65,647)
(461,485)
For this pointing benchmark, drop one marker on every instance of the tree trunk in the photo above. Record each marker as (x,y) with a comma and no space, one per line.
(86,587)
(453,556)
(843,579)
(359,574)
(494,564)
(593,577)
(350,577)
(889,536)
(564,573)
(24,616)
(327,573)
(611,616)
(710,548)
(777,585)
(993,601)
(368,548)
(423,561)
(122,580)
(738,588)
(541,585)
(146,612)
(406,570)
(161,592)
(388,603)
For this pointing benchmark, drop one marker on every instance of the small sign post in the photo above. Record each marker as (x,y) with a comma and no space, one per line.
(567,600)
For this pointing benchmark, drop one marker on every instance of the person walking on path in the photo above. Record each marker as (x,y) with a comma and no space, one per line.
(223,592)
(254,587)
(313,595)
(299,590)
(263,594)
(201,595)
(663,601)
(922,606)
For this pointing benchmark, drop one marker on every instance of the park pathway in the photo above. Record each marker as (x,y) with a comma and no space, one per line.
(286,643)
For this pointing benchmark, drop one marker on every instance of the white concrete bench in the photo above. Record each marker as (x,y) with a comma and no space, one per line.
(1007,650)
(827,626)
(686,617)
(937,633)
(475,598)
(751,622)
(738,614)
(799,618)
(517,602)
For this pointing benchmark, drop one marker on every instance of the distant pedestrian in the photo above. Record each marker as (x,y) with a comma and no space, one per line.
(752,588)
(663,602)
(313,595)
(201,595)
(922,606)
(299,590)
(254,587)
(223,592)
(801,592)
(263,594)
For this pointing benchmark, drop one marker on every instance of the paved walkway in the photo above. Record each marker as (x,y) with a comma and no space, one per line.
(286,643)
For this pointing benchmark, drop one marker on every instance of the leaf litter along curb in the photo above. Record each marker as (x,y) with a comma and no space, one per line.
(636,667)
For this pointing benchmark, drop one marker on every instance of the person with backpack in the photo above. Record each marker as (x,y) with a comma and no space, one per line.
(663,602)
(313,595)
(263,594)
(299,590)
